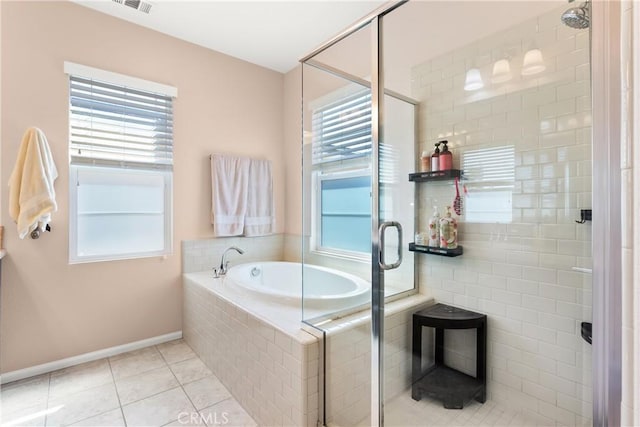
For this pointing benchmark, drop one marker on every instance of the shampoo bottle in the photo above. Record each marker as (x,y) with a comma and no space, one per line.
(434,228)
(445,160)
(434,159)
(448,231)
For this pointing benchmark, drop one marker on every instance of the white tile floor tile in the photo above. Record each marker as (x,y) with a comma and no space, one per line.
(146,384)
(164,385)
(190,370)
(176,351)
(403,411)
(160,409)
(206,392)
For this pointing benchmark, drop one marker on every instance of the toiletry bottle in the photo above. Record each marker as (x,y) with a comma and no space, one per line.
(434,228)
(434,159)
(445,160)
(424,162)
(448,231)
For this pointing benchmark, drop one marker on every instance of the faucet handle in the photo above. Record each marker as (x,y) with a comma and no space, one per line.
(216,273)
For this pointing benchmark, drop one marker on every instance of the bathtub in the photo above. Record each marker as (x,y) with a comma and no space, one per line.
(246,328)
(324,288)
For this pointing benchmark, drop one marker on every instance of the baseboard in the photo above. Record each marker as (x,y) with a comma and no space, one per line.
(87,357)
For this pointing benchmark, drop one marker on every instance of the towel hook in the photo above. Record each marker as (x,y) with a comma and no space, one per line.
(35,234)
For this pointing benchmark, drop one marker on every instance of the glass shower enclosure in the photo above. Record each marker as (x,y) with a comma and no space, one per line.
(512,98)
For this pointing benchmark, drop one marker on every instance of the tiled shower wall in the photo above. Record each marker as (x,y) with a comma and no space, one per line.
(521,272)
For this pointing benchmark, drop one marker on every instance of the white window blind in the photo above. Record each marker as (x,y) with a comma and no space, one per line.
(342,129)
(117,126)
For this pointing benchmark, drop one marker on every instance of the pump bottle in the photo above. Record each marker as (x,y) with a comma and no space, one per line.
(434,159)
(445,160)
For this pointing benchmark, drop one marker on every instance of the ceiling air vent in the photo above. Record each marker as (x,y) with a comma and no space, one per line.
(139,5)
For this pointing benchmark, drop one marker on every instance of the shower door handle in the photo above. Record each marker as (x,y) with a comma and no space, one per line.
(381,249)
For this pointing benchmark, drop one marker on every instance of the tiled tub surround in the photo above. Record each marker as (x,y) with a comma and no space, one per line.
(520,272)
(348,361)
(205,254)
(256,349)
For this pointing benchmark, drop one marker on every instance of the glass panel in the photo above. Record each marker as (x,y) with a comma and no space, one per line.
(512,99)
(120,212)
(337,223)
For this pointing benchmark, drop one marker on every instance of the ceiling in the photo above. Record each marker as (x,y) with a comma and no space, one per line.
(273,34)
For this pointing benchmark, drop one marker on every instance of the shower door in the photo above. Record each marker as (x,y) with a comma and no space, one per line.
(513,100)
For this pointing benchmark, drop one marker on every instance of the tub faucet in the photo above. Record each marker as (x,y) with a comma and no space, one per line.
(224,264)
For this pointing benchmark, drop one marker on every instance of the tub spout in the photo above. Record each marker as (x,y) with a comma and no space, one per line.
(224,264)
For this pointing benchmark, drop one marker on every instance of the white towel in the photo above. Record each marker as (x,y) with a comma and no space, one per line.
(260,214)
(229,182)
(32,197)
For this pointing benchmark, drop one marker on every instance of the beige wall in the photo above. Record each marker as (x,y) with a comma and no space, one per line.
(292,151)
(50,309)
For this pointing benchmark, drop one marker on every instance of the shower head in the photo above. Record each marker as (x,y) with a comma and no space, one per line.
(577,17)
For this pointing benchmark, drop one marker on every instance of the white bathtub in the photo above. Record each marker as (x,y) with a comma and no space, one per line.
(274,294)
(324,288)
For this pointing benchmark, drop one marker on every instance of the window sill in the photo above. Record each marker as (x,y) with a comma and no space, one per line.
(350,256)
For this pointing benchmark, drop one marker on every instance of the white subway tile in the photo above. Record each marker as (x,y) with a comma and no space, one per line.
(573,59)
(523,371)
(561,416)
(574,121)
(506,378)
(556,383)
(565,262)
(560,323)
(539,392)
(529,287)
(540,361)
(562,107)
(543,334)
(523,258)
(539,96)
(492,307)
(544,305)
(583,72)
(561,293)
(506,270)
(558,139)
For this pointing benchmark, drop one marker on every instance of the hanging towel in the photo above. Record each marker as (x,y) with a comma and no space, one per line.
(32,197)
(229,183)
(260,216)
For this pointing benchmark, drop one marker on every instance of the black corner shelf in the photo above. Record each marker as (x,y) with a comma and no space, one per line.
(436,251)
(453,387)
(435,176)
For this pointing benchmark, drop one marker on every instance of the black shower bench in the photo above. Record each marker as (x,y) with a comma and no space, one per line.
(440,381)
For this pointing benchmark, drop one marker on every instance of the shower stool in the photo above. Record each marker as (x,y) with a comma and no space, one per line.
(440,381)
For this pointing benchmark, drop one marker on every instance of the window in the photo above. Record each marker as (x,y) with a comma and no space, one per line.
(341,149)
(121,166)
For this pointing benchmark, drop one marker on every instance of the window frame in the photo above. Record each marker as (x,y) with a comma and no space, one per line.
(136,84)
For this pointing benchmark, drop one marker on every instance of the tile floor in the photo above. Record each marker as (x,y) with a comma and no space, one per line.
(403,411)
(162,385)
